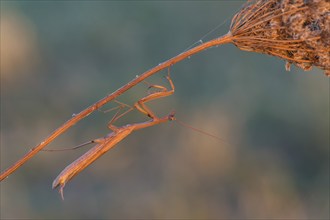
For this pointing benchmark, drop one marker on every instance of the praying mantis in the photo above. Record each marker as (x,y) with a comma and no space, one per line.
(104,144)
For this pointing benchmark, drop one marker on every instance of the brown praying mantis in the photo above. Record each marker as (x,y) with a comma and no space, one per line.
(104,144)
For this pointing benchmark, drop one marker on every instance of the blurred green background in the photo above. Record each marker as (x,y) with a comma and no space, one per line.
(58,57)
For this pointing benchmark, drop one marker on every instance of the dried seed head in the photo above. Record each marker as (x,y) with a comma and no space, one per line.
(297,31)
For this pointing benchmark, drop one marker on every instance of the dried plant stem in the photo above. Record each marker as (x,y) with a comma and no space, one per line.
(77,117)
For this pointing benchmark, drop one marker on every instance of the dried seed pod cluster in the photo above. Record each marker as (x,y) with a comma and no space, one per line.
(297,31)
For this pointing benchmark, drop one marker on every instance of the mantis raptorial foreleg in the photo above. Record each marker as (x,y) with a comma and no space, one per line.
(140,105)
(118,134)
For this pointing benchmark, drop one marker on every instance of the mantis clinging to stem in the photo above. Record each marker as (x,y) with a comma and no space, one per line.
(118,134)
(110,97)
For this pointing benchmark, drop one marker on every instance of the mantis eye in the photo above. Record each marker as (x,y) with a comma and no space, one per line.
(171,116)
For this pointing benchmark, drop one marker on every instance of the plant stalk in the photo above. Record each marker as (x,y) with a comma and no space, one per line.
(77,117)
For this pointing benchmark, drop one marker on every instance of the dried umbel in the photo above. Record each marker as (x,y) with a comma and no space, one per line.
(297,31)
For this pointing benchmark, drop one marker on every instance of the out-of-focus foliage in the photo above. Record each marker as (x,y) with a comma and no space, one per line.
(57,57)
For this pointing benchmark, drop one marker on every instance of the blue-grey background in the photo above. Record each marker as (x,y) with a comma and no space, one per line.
(58,57)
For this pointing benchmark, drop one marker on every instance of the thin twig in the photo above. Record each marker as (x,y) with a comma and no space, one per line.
(77,117)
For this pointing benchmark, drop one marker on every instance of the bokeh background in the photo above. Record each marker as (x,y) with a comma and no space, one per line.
(58,57)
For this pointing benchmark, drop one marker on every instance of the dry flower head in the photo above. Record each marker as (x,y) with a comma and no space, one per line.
(297,31)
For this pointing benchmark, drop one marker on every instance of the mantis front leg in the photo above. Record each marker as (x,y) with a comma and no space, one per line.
(141,106)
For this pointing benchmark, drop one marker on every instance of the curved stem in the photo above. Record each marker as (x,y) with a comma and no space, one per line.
(218,41)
